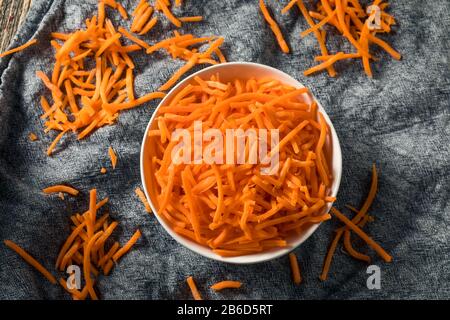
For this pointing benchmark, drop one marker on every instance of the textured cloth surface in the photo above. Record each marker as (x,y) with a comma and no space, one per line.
(399,119)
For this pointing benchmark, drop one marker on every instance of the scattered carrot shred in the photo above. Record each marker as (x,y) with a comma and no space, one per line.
(103,170)
(195,294)
(168,13)
(226,285)
(113,157)
(122,11)
(295,269)
(143,199)
(30,260)
(86,246)
(274,26)
(19,48)
(32,136)
(352,22)
(61,188)
(119,253)
(191,19)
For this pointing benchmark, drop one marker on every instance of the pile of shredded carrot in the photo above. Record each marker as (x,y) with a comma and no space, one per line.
(88,246)
(356,224)
(93,77)
(351,20)
(234,209)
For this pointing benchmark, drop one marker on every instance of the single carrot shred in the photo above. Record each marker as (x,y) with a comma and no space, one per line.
(143,199)
(19,48)
(168,13)
(32,136)
(113,157)
(226,285)
(30,260)
(119,253)
(296,277)
(195,293)
(61,188)
(274,26)
(94,97)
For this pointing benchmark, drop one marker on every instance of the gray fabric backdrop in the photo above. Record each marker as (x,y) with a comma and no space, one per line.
(400,120)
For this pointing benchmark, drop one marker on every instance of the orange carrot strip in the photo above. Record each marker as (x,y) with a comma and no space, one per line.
(87,264)
(109,254)
(19,48)
(150,24)
(295,268)
(53,144)
(168,13)
(113,157)
(324,65)
(32,136)
(143,199)
(49,84)
(69,242)
(30,260)
(320,36)
(61,188)
(385,46)
(193,287)
(351,251)
(386,257)
(119,253)
(288,6)
(329,257)
(129,84)
(179,73)
(191,19)
(122,11)
(133,38)
(318,26)
(107,44)
(274,26)
(226,284)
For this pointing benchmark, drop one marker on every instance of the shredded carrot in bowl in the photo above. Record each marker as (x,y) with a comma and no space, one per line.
(233,208)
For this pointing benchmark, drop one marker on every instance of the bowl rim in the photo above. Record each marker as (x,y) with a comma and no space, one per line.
(260,256)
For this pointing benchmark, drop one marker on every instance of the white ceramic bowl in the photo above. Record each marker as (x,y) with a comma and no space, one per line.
(228,72)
